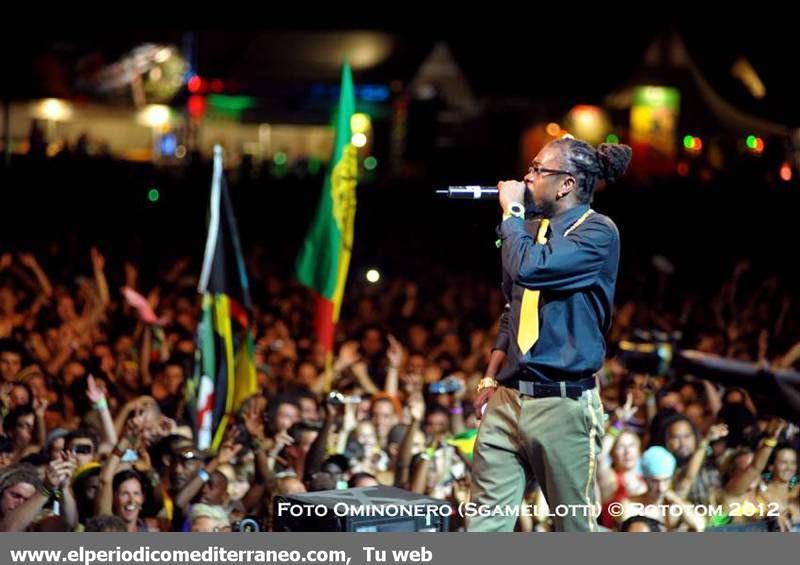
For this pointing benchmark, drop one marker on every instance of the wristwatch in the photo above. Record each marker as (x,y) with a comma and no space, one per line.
(486,382)
(516,209)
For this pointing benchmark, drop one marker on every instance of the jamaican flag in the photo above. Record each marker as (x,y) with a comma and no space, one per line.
(224,365)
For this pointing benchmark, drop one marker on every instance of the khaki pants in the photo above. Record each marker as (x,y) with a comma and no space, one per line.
(556,440)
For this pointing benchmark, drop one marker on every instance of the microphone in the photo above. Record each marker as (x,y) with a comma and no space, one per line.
(478,192)
(470,192)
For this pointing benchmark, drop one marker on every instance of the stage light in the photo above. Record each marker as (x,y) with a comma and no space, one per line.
(590,123)
(195,84)
(786,172)
(154,115)
(360,123)
(54,110)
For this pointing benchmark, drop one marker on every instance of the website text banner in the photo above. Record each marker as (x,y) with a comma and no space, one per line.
(392,549)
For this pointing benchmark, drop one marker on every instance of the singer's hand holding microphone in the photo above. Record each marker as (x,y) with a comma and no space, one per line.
(510,191)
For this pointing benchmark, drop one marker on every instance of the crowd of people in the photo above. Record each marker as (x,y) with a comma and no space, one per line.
(97,434)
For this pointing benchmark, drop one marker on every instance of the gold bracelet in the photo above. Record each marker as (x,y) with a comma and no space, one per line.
(771,442)
(486,382)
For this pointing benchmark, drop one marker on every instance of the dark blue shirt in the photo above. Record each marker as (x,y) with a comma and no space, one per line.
(576,275)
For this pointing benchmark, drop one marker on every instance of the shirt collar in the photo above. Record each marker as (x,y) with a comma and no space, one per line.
(562,222)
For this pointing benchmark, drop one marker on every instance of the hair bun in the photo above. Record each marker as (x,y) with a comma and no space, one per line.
(614,159)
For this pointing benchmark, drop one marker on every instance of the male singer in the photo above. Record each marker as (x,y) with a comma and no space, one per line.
(542,415)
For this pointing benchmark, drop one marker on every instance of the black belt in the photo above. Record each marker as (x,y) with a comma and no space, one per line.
(564,389)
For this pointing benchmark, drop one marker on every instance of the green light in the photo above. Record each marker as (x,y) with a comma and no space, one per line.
(612,138)
(280,158)
(370,163)
(231,104)
(688,142)
(656,97)
(752,141)
(153,195)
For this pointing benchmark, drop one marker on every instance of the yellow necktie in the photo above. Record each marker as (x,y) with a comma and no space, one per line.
(529,311)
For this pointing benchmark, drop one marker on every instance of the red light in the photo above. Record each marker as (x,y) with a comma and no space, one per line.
(217,85)
(683,169)
(759,145)
(195,84)
(196,105)
(697,144)
(786,172)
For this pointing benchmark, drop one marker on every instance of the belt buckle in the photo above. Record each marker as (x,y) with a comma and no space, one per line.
(528,388)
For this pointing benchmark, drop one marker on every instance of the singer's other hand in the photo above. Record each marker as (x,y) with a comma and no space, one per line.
(510,191)
(481,401)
